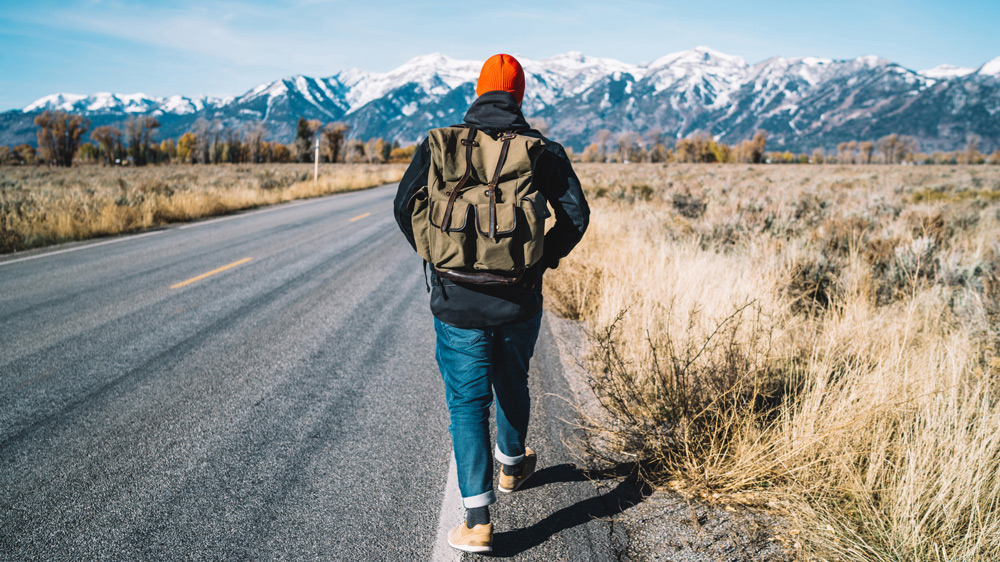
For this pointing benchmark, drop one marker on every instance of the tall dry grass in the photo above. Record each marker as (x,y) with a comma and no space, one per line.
(823,339)
(41,205)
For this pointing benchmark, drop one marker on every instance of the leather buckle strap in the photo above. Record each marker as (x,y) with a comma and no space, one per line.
(492,189)
(469,142)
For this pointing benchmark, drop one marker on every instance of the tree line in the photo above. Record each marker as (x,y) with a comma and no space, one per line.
(60,142)
(632,146)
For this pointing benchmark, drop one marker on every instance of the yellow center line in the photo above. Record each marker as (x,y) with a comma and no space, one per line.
(359,217)
(209,274)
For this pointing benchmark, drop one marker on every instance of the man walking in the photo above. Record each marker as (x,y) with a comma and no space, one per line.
(486,331)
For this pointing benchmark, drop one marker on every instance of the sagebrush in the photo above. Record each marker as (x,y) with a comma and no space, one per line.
(823,339)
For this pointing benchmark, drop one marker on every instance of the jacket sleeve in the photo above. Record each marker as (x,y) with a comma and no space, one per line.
(414,178)
(563,191)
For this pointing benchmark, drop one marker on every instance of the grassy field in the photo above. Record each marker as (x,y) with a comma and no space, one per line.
(44,205)
(822,340)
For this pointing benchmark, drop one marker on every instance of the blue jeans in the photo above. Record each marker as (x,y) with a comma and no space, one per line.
(475,364)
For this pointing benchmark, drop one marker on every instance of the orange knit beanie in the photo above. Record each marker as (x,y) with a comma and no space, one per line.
(501,72)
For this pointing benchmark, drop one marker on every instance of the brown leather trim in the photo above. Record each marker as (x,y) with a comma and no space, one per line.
(492,190)
(478,277)
(493,213)
(479,225)
(469,142)
(457,227)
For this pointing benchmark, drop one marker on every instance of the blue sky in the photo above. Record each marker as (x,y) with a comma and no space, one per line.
(218,47)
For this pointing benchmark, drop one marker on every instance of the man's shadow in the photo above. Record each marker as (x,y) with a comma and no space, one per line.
(630,491)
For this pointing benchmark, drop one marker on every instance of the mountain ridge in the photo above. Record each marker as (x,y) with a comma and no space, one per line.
(803,102)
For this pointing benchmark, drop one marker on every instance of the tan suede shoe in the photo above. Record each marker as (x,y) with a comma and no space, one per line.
(508,484)
(476,539)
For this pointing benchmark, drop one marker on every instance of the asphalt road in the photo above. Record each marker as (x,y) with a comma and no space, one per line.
(287,407)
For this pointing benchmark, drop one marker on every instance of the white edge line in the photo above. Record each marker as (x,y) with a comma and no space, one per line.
(77,248)
(451,516)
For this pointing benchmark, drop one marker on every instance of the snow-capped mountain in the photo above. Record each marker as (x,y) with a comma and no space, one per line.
(946,71)
(106,102)
(803,103)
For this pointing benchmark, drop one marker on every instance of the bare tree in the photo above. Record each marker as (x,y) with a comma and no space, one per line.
(602,137)
(254,140)
(235,151)
(972,154)
(867,148)
(109,139)
(842,153)
(889,147)
(757,146)
(139,132)
(628,146)
(59,136)
(852,147)
(304,136)
(334,134)
(202,148)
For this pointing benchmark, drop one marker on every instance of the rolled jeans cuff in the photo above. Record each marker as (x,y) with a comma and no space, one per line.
(482,500)
(504,459)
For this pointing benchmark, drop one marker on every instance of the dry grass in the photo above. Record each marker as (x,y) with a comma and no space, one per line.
(824,339)
(41,205)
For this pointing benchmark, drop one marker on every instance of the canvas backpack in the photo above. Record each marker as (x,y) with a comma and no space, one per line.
(481,218)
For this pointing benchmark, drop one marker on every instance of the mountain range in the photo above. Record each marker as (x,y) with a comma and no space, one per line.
(803,103)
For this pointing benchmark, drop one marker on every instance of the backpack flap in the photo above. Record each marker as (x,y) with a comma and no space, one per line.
(502,217)
(456,222)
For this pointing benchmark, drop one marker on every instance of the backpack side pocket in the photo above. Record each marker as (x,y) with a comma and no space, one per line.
(535,211)
(419,209)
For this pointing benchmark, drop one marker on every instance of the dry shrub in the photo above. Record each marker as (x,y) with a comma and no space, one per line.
(841,235)
(673,411)
(573,293)
(688,205)
(874,426)
(812,283)
(41,205)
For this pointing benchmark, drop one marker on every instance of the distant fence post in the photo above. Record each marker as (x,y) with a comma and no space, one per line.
(316,164)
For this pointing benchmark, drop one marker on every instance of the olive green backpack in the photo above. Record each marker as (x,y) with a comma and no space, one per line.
(480,219)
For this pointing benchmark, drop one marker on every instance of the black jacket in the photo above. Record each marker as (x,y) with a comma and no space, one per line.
(470,306)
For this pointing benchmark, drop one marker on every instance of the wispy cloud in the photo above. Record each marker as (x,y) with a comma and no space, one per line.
(224,33)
